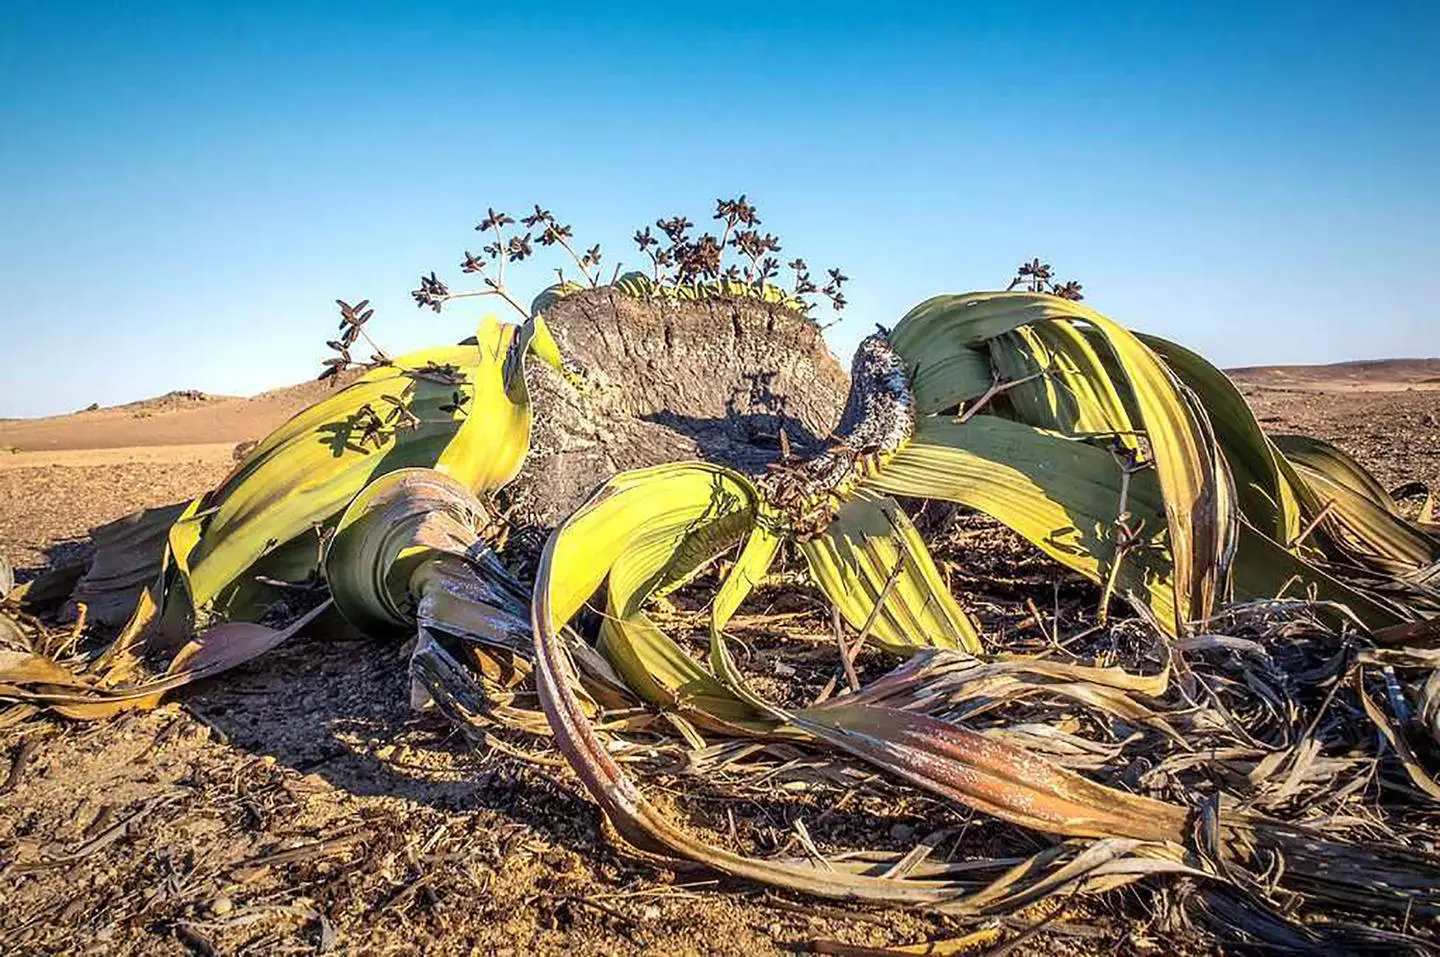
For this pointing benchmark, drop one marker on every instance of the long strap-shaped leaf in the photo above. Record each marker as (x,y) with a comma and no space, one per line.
(1368,532)
(1266,487)
(980,772)
(1060,493)
(1265,569)
(471,419)
(873,565)
(650,528)
(1200,518)
(1334,464)
(1358,515)
(1077,393)
(989,775)
(387,539)
(312,468)
(686,515)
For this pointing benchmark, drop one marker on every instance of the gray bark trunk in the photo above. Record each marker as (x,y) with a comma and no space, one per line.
(671,381)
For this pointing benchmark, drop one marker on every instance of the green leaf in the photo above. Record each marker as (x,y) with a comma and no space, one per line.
(1198,508)
(852,561)
(1265,484)
(1061,494)
(645,530)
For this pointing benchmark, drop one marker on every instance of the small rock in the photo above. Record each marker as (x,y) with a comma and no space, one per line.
(221,906)
(328,936)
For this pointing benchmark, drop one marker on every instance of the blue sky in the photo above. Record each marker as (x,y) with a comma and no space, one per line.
(185,188)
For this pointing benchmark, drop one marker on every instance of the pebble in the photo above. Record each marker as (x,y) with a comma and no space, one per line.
(221,906)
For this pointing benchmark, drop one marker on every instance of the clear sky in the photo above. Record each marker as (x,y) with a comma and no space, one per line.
(185,188)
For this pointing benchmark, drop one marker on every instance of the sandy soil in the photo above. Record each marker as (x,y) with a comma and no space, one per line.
(50,500)
(1396,434)
(1384,375)
(138,454)
(178,418)
(299,806)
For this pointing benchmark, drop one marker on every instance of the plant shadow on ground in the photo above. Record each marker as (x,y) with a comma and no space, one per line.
(62,554)
(337,708)
(335,705)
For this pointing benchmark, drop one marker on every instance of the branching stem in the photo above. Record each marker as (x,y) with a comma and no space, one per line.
(996,388)
(496,289)
(578,261)
(378,351)
(854,649)
(1126,538)
(1314,523)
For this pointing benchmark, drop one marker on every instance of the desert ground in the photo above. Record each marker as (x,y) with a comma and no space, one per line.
(298,805)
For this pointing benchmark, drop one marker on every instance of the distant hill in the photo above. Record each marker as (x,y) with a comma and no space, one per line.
(176,418)
(1367,375)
